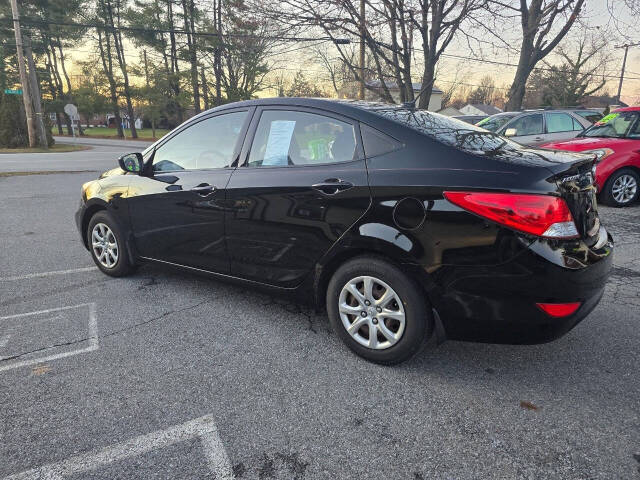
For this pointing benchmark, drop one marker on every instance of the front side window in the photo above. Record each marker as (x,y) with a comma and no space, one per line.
(210,143)
(285,138)
(559,122)
(527,125)
(614,125)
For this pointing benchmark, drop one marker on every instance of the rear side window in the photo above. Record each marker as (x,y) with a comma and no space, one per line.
(209,143)
(285,138)
(376,143)
(559,122)
(527,125)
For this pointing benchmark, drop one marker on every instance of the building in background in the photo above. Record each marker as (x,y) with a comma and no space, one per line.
(479,109)
(450,112)
(435,102)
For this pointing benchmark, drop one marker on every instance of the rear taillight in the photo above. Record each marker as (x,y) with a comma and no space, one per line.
(558,310)
(541,215)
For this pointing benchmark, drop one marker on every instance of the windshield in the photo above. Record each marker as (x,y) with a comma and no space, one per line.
(615,125)
(494,122)
(450,131)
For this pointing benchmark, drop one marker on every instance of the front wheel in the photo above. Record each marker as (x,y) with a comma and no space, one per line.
(378,311)
(622,188)
(106,243)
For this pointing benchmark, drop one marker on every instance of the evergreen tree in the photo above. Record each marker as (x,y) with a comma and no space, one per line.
(13,123)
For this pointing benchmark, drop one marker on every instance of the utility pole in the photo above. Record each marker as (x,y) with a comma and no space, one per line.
(362,34)
(624,64)
(26,97)
(146,68)
(35,92)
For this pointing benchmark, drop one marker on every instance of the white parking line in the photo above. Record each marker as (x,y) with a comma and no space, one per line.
(47,274)
(202,428)
(92,337)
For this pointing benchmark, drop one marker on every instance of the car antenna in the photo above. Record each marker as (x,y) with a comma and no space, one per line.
(412,104)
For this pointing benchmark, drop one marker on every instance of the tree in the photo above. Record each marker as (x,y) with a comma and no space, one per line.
(483,93)
(390,28)
(110,14)
(538,19)
(13,122)
(569,83)
(301,87)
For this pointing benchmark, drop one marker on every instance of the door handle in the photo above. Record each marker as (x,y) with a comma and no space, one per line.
(204,189)
(331,186)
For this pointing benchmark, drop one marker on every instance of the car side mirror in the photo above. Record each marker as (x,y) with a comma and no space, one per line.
(132,162)
(510,132)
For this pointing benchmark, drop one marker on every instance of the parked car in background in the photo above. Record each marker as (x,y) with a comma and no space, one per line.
(401,222)
(592,115)
(615,140)
(536,127)
(497,121)
(472,119)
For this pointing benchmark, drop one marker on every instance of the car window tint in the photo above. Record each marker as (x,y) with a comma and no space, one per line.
(559,122)
(299,138)
(377,143)
(527,125)
(209,143)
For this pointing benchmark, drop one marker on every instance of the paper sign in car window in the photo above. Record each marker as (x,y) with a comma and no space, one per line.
(607,118)
(277,151)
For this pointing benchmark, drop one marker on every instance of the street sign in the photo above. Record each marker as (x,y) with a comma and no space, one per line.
(71,110)
(10,91)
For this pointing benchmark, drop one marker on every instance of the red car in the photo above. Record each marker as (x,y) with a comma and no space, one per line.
(615,140)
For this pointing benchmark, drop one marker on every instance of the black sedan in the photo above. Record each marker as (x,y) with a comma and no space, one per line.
(401,222)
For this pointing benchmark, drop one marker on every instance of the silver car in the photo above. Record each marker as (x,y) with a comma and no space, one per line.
(538,126)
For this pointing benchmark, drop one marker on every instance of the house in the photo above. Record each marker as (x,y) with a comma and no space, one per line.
(435,102)
(479,109)
(450,112)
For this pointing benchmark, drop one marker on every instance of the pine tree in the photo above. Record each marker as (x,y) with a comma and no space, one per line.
(13,123)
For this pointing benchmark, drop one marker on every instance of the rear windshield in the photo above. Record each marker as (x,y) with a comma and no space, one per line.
(450,131)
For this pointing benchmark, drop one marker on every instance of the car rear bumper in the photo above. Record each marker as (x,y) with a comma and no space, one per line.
(498,304)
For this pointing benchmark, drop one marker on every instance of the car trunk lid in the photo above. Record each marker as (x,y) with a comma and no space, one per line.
(574,178)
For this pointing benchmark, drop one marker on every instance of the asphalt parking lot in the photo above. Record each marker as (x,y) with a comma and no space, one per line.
(168,375)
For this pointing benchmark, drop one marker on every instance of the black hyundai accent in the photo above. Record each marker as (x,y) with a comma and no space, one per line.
(402,222)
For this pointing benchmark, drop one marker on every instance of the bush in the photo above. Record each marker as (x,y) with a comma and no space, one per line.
(13,123)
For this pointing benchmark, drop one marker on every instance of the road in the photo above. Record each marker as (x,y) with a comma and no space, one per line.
(169,375)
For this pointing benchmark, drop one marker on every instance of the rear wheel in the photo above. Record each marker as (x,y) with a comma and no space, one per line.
(622,188)
(378,311)
(107,245)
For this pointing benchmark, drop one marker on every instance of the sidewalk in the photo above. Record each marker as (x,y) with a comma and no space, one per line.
(135,145)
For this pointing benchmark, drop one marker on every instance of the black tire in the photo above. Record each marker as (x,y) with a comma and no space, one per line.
(417,314)
(122,266)
(607,192)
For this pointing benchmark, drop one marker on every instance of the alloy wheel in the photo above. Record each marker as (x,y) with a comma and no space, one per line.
(371,312)
(105,245)
(624,188)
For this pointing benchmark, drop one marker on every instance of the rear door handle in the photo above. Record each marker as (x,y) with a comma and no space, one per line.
(204,189)
(331,186)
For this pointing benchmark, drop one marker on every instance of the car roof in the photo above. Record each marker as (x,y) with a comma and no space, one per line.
(326,103)
(628,109)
